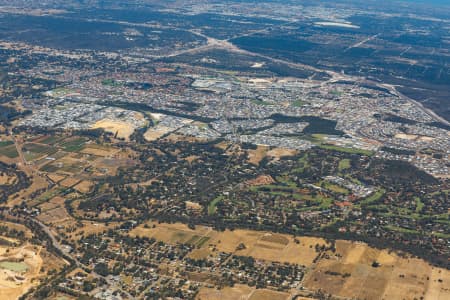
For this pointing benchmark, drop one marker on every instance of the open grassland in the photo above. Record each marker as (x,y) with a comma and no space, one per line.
(260,245)
(99,150)
(239,291)
(268,295)
(84,186)
(257,155)
(37,184)
(53,211)
(154,133)
(349,273)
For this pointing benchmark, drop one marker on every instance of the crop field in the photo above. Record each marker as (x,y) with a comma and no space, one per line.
(6,143)
(73,144)
(35,151)
(49,140)
(9,150)
(67,165)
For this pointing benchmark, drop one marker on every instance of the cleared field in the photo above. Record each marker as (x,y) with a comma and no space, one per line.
(58,214)
(439,285)
(56,177)
(268,246)
(281,152)
(69,182)
(173,233)
(84,186)
(351,274)
(119,128)
(154,133)
(239,291)
(53,203)
(255,156)
(98,150)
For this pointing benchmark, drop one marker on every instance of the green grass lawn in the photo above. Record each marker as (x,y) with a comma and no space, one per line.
(419,204)
(346,150)
(373,198)
(212,207)
(344,164)
(259,102)
(333,187)
(13,266)
(401,229)
(298,103)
